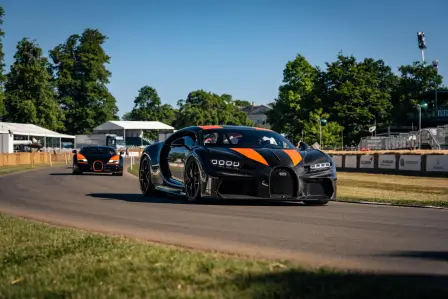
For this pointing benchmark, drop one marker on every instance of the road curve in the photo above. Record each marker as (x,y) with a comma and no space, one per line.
(363,237)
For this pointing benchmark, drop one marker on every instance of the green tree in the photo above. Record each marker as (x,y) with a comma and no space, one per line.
(242,104)
(2,66)
(30,95)
(82,78)
(148,107)
(295,99)
(358,93)
(206,108)
(331,132)
(415,80)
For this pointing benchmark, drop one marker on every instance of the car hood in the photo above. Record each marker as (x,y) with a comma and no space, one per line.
(272,157)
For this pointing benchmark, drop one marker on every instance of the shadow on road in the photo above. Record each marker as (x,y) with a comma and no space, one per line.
(310,284)
(172,199)
(425,255)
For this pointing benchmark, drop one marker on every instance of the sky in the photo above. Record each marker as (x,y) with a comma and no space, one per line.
(238,47)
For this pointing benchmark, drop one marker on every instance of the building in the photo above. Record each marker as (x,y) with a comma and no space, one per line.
(257,114)
(18,137)
(132,131)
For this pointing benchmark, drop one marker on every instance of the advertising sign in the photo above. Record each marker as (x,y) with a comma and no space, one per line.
(387,161)
(437,163)
(337,160)
(410,162)
(366,161)
(350,161)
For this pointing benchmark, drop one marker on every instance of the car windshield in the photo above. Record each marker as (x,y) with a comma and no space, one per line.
(98,151)
(245,138)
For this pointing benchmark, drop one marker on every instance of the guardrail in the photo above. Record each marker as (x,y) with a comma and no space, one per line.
(405,162)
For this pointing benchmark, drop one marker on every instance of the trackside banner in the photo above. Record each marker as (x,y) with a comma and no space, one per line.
(410,162)
(387,161)
(337,160)
(350,162)
(437,163)
(366,161)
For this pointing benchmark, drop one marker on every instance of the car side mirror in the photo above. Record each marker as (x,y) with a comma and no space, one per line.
(74,151)
(303,146)
(178,142)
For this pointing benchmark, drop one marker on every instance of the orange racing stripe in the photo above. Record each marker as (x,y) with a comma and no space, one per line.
(210,127)
(251,154)
(294,155)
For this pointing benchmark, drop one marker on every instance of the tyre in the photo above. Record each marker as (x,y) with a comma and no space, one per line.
(192,179)
(146,186)
(319,202)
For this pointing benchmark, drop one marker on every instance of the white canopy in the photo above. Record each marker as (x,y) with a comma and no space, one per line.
(30,129)
(133,125)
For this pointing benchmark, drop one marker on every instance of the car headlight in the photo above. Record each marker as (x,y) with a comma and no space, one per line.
(320,166)
(226,163)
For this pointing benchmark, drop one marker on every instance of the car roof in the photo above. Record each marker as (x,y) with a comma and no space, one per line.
(217,127)
(98,146)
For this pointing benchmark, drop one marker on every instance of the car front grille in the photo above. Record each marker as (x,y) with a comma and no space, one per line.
(282,183)
(97,166)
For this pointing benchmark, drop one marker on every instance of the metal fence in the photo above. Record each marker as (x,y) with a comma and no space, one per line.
(428,138)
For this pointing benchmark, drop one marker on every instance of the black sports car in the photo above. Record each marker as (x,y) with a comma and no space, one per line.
(99,159)
(236,162)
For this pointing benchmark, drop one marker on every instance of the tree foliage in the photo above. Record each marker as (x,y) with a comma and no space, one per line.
(359,93)
(352,94)
(203,107)
(2,66)
(81,80)
(291,109)
(30,95)
(415,79)
(148,107)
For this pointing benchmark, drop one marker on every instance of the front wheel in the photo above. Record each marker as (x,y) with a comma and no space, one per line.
(192,179)
(146,185)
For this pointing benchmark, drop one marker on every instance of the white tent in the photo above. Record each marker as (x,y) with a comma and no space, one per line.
(132,128)
(30,130)
(17,134)
(133,125)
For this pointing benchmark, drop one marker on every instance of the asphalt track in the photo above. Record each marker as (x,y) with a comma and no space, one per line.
(362,237)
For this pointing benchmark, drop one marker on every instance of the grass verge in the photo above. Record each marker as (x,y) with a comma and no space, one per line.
(393,189)
(134,170)
(17,168)
(43,261)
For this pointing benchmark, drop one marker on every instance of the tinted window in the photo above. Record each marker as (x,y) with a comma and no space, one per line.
(98,151)
(245,138)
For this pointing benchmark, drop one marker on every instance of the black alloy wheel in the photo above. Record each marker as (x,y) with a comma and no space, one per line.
(146,186)
(192,181)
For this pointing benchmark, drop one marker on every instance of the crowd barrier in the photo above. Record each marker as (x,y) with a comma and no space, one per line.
(406,163)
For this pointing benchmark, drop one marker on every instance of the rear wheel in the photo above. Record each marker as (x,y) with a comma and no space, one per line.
(146,185)
(192,179)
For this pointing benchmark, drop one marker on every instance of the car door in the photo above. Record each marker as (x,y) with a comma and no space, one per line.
(179,150)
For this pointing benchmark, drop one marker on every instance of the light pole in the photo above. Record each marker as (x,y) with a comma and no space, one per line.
(421,43)
(435,64)
(322,121)
(422,105)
